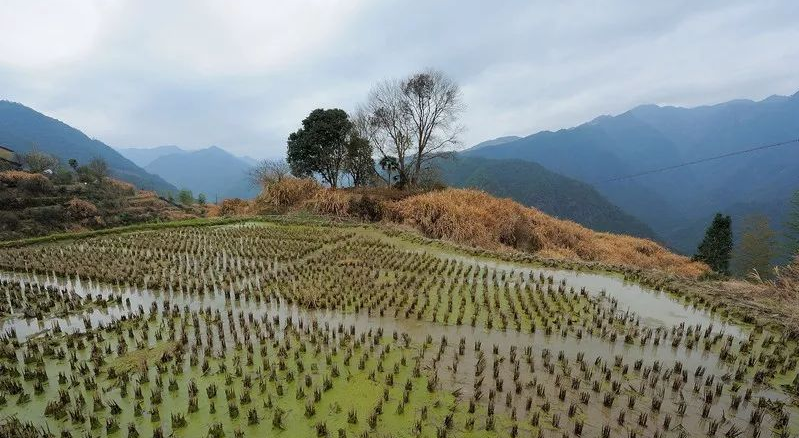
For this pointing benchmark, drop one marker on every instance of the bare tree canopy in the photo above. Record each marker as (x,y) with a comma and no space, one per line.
(413,120)
(37,161)
(267,172)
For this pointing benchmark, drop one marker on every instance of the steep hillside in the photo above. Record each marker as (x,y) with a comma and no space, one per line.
(32,205)
(533,185)
(212,171)
(651,137)
(22,128)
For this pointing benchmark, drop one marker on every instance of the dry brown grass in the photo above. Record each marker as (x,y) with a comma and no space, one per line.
(329,203)
(14,177)
(234,207)
(285,195)
(475,218)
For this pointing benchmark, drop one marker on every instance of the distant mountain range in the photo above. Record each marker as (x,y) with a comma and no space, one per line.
(22,128)
(679,203)
(211,171)
(533,185)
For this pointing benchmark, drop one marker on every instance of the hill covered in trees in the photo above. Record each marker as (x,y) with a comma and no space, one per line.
(678,204)
(23,129)
(533,185)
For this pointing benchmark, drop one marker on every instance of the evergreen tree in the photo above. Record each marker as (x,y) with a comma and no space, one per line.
(756,248)
(716,247)
(792,227)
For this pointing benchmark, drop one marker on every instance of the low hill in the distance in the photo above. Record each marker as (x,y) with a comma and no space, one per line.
(22,128)
(651,137)
(211,171)
(144,156)
(533,185)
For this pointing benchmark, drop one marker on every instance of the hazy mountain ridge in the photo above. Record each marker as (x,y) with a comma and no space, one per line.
(651,137)
(22,128)
(212,171)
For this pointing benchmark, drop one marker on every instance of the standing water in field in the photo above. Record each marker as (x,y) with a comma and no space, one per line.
(237,331)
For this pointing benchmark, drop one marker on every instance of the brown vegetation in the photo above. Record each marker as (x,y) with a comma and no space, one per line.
(476,218)
(473,218)
(776,300)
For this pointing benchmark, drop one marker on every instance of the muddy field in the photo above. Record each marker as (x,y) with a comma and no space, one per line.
(289,330)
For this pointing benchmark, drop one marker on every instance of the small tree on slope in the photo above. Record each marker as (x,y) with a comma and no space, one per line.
(716,247)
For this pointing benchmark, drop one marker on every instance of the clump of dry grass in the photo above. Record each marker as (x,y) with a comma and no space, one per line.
(14,177)
(475,218)
(80,209)
(232,207)
(787,277)
(286,194)
(329,202)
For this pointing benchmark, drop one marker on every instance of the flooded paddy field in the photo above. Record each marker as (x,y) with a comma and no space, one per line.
(292,330)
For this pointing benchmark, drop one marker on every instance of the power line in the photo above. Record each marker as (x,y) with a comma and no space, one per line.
(701,160)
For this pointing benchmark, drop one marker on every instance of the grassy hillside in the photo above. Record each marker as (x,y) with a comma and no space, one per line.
(22,128)
(533,185)
(32,205)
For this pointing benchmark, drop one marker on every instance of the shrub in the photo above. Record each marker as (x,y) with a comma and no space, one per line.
(79,209)
(328,202)
(36,185)
(285,194)
(234,207)
(366,207)
(32,182)
(9,220)
(52,214)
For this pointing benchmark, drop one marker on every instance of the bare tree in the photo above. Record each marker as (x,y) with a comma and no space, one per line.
(37,161)
(414,120)
(267,172)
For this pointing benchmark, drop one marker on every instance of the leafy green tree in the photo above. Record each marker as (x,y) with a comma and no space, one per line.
(792,226)
(389,165)
(360,164)
(185,197)
(756,248)
(320,146)
(716,247)
(73,163)
(201,199)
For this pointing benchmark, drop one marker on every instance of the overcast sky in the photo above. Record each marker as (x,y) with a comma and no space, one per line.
(243,74)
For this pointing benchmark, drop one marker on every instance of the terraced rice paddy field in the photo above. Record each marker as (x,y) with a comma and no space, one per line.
(267,329)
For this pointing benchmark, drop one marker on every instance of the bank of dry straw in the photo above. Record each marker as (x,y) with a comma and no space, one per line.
(475,218)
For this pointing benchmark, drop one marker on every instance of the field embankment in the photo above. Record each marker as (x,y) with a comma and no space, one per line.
(469,217)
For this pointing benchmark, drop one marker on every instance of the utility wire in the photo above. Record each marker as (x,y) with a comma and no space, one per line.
(701,160)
